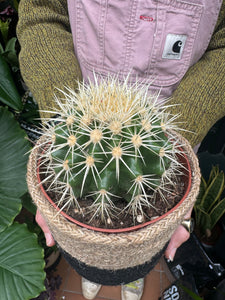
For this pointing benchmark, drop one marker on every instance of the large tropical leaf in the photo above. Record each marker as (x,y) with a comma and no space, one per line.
(13,161)
(8,90)
(21,264)
(9,208)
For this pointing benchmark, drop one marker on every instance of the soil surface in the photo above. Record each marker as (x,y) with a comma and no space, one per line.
(124,219)
(213,236)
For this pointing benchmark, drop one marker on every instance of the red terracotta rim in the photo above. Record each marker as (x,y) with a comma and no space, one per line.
(185,162)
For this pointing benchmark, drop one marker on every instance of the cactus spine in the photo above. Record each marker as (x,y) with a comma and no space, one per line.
(110,140)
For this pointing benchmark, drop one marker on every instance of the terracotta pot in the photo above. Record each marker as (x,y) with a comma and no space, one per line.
(114,257)
(186,179)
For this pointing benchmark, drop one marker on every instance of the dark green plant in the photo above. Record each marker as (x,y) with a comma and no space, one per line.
(210,205)
(192,294)
(8,19)
(13,91)
(21,258)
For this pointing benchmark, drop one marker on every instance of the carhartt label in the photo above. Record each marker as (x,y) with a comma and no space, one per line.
(174,46)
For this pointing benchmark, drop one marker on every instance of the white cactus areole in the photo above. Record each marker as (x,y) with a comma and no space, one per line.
(110,141)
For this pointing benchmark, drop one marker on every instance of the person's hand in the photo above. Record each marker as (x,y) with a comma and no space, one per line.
(48,236)
(179,236)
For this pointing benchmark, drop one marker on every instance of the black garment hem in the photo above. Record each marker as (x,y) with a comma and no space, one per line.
(112,277)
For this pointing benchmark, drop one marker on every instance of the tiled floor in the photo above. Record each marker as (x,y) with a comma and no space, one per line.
(155,283)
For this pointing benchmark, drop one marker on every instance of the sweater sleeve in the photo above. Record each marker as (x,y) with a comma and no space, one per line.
(47,59)
(201,93)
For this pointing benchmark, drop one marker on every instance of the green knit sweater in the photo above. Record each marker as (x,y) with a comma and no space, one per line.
(47,61)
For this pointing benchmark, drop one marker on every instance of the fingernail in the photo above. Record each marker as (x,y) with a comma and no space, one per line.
(172,254)
(49,239)
(170,258)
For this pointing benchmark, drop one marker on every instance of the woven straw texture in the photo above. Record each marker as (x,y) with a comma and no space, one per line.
(108,250)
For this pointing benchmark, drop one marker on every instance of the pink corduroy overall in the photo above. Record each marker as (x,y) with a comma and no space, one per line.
(155,41)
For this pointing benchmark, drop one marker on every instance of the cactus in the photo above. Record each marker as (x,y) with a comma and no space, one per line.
(110,141)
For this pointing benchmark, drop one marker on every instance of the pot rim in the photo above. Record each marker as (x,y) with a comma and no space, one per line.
(188,175)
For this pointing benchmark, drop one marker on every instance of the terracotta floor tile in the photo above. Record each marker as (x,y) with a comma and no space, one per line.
(71,296)
(110,292)
(74,296)
(155,283)
(100,298)
(62,268)
(164,282)
(59,295)
(158,267)
(74,282)
(152,286)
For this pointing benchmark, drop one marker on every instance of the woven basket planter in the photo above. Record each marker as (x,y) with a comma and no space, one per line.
(113,258)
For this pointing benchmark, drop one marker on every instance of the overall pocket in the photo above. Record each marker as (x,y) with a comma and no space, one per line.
(146,38)
(102,31)
(175,37)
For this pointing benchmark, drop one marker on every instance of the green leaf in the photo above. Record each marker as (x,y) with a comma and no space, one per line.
(1,49)
(9,94)
(202,189)
(4,28)
(28,203)
(217,212)
(13,162)
(10,54)
(191,293)
(213,192)
(9,208)
(10,46)
(214,173)
(197,210)
(21,264)
(204,221)
(15,4)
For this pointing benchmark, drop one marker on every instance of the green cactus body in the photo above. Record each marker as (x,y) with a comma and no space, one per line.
(110,142)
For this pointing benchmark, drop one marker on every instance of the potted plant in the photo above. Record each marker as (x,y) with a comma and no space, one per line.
(106,175)
(210,259)
(209,207)
(207,241)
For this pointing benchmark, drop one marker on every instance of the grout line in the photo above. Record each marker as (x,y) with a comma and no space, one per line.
(62,297)
(69,291)
(161,282)
(66,279)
